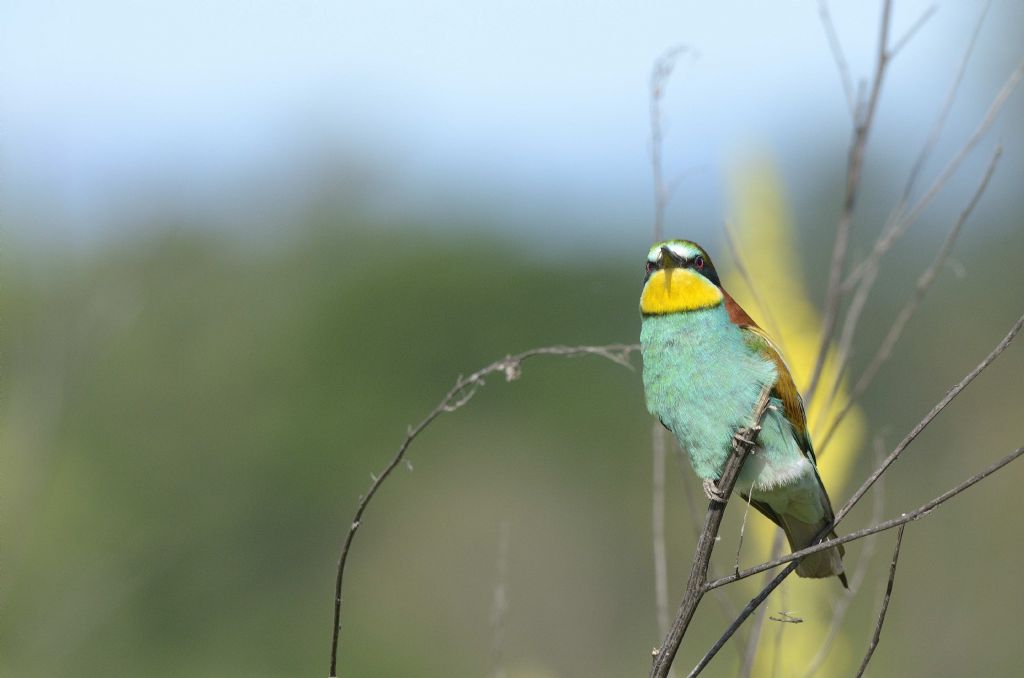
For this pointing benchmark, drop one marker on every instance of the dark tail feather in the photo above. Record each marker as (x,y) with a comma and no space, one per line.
(821,564)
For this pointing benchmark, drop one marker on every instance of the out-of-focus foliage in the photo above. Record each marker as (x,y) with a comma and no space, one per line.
(190,418)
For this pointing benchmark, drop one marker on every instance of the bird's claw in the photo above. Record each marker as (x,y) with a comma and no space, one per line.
(712,492)
(745,436)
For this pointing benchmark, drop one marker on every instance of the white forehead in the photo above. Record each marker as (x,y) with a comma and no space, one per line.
(682,250)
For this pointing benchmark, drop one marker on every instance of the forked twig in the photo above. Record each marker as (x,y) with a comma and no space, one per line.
(842,66)
(909,438)
(863,119)
(901,220)
(793,558)
(924,283)
(914,28)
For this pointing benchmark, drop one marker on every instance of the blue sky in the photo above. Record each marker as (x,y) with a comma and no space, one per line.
(503,105)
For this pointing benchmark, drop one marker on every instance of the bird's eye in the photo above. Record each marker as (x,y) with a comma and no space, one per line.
(650,267)
(698,262)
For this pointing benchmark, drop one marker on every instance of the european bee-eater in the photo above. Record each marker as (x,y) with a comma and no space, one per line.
(705,364)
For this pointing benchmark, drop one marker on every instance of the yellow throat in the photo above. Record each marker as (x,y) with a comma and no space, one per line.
(672,290)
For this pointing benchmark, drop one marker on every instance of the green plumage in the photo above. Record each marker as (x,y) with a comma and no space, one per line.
(702,377)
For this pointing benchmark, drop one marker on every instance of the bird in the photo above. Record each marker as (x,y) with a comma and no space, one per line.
(705,364)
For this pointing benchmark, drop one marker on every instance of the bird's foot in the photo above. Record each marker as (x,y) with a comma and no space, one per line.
(712,492)
(746,437)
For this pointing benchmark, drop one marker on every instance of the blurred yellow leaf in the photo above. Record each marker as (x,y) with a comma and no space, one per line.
(766,243)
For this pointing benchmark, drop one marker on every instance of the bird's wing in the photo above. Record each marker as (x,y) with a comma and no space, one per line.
(793,407)
(784,388)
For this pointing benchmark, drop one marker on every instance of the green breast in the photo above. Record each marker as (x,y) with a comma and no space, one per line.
(702,380)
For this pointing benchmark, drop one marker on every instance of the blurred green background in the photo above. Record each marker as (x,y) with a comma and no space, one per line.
(219,319)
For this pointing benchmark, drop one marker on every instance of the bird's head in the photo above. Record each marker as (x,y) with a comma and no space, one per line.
(679,277)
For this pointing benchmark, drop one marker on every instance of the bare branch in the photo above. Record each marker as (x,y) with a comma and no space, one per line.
(867,273)
(695,587)
(924,283)
(837,55)
(885,604)
(759,598)
(862,128)
(459,394)
(899,223)
(793,558)
(886,463)
(940,120)
(660,74)
(914,28)
(742,617)
(728,608)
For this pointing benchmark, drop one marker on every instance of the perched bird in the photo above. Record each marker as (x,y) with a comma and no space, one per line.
(705,365)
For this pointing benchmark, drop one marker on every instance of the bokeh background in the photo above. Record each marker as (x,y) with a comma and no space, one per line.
(246,244)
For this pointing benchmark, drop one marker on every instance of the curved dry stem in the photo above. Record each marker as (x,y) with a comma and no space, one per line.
(456,397)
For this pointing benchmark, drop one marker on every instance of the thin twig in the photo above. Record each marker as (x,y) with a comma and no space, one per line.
(859,574)
(914,28)
(837,55)
(661,72)
(695,589)
(459,394)
(940,119)
(794,558)
(924,283)
(919,512)
(743,528)
(867,282)
(885,604)
(910,437)
(900,222)
(726,605)
(886,463)
(862,128)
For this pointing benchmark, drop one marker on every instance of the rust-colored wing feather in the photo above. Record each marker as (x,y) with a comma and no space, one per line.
(785,388)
